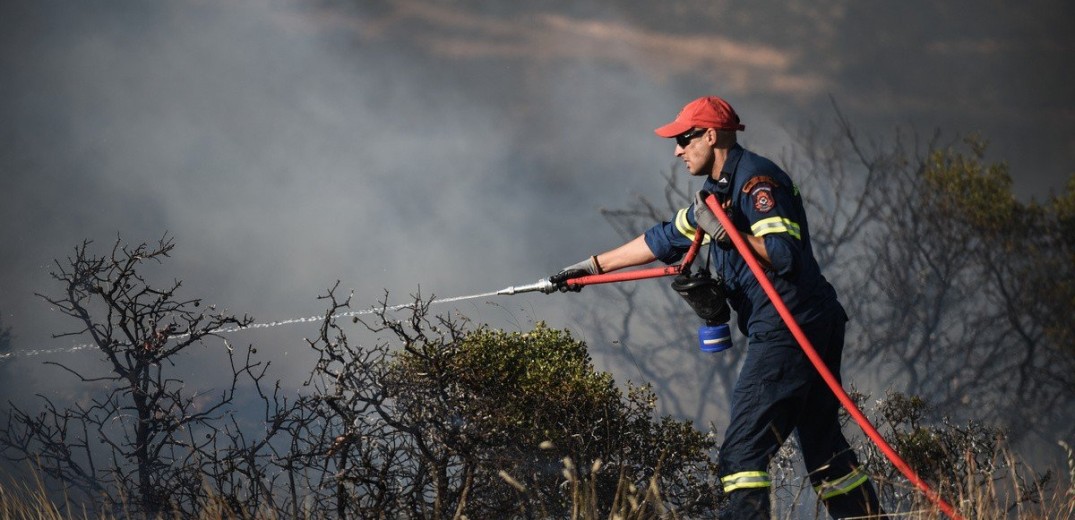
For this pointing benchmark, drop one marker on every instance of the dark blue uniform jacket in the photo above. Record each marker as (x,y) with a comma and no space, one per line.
(765,203)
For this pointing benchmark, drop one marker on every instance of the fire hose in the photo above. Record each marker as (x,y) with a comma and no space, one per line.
(789,320)
(618,276)
(826,374)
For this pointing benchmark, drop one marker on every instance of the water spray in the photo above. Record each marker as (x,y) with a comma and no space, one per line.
(543,286)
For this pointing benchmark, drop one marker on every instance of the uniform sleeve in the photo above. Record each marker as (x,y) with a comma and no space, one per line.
(771,211)
(669,241)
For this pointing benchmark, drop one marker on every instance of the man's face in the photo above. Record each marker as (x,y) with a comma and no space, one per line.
(695,149)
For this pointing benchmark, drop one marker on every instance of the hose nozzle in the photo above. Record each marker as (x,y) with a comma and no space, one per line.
(543,285)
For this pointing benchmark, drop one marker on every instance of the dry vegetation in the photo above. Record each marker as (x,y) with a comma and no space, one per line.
(1007,495)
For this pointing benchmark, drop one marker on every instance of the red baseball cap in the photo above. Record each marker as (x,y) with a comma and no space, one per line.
(704,112)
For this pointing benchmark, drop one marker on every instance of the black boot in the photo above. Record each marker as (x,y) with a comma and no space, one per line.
(859,502)
(747,504)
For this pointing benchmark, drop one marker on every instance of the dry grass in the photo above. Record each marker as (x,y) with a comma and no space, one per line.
(30,501)
(1006,497)
(1010,495)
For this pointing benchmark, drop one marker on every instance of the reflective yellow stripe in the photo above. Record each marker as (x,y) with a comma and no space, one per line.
(769,225)
(685,227)
(745,480)
(844,484)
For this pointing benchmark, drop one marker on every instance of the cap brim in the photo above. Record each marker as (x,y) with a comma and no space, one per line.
(673,129)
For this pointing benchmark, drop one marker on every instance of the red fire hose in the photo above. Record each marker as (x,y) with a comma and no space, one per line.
(808,348)
(642,274)
(826,374)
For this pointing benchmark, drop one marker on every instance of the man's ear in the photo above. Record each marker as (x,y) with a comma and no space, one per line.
(711,136)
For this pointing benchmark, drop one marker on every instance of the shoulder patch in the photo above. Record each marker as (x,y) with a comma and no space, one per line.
(760,190)
(750,184)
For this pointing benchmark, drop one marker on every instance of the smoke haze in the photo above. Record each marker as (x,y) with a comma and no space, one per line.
(452,147)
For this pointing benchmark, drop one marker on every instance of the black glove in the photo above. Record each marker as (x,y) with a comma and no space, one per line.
(707,221)
(586,267)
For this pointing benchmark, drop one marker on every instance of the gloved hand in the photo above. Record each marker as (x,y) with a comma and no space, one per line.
(707,221)
(584,268)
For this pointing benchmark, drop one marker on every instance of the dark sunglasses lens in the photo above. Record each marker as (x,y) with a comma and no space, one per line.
(684,139)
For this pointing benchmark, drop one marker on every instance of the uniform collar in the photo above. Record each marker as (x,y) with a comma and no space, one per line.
(727,173)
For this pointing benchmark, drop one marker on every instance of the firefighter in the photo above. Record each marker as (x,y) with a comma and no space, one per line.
(778,392)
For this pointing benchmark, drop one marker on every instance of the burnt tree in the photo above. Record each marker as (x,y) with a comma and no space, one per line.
(140,437)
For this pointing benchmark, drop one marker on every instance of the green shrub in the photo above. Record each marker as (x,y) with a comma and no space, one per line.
(528,410)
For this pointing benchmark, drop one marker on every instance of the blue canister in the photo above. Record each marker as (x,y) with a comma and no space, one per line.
(714,338)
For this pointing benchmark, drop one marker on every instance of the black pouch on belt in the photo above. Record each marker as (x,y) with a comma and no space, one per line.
(705,295)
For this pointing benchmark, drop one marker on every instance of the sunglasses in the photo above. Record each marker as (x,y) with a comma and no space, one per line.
(685,138)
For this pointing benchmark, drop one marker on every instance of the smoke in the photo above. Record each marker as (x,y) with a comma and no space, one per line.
(283,152)
(447,147)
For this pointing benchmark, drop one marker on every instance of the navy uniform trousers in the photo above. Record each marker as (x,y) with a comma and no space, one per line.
(779,392)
